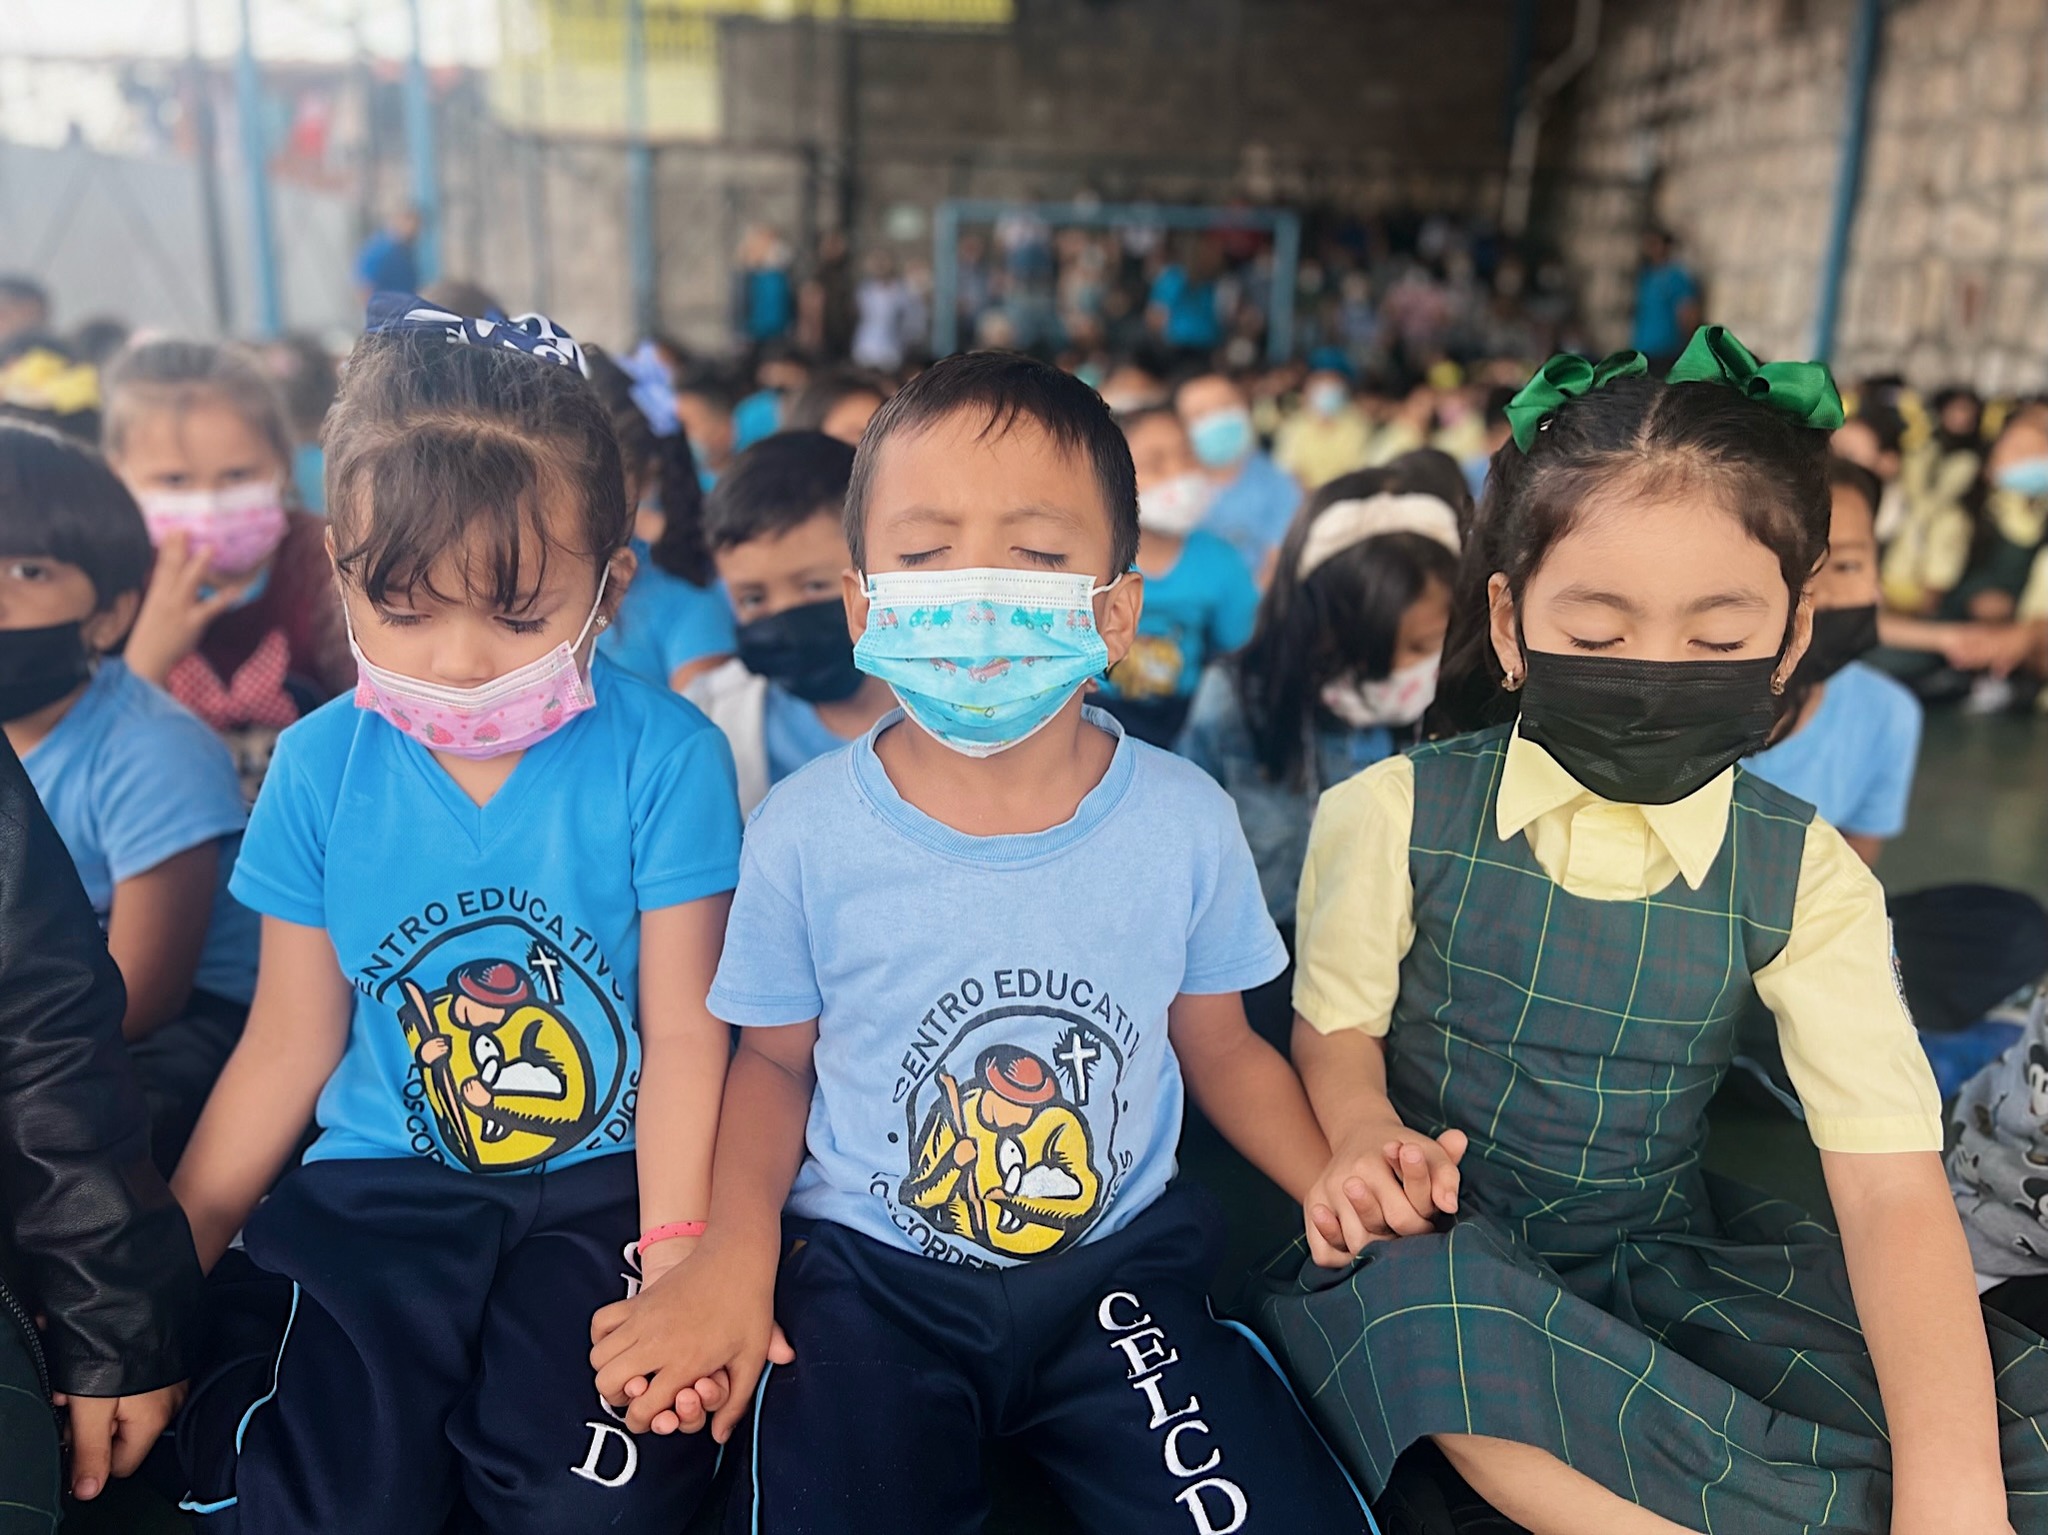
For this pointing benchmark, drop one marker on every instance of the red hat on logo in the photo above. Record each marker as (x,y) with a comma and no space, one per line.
(493,982)
(1017,1075)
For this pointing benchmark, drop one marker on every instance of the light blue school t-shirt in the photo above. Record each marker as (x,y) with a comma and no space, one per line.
(665,622)
(1200,609)
(509,932)
(1252,512)
(792,734)
(1004,992)
(130,778)
(1854,760)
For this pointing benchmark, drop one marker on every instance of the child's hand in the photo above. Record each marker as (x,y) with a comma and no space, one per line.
(706,1328)
(1382,1182)
(173,618)
(113,1433)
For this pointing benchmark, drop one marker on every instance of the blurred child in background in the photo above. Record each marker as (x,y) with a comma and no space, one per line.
(240,622)
(838,402)
(674,624)
(1255,497)
(1327,436)
(776,530)
(1342,663)
(1199,598)
(144,795)
(704,401)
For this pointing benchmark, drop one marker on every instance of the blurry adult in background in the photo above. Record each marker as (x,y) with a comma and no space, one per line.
(1328,436)
(308,379)
(1872,438)
(386,263)
(705,399)
(1185,309)
(1402,424)
(95,1244)
(764,299)
(458,295)
(1929,554)
(838,402)
(1255,498)
(825,308)
(1667,302)
(24,307)
(887,309)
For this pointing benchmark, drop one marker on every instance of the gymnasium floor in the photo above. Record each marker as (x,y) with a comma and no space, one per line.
(1980,813)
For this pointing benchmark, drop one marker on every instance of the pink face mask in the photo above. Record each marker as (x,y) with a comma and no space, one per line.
(506,714)
(236,530)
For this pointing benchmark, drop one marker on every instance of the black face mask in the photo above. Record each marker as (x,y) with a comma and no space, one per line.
(39,666)
(804,651)
(1646,732)
(1840,635)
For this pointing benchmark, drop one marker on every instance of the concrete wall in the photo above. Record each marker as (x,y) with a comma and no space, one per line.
(1724,120)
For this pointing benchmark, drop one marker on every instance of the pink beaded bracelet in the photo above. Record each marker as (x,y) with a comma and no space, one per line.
(655,1234)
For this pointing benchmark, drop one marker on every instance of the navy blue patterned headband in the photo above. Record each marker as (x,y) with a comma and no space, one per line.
(405,314)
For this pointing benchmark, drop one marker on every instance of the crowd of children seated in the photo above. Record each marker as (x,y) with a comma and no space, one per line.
(826,828)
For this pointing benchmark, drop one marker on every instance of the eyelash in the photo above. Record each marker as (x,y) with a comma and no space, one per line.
(1722,650)
(399,620)
(1050,561)
(1579,644)
(923,556)
(524,625)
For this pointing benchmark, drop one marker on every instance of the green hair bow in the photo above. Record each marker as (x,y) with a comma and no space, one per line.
(1565,377)
(1805,391)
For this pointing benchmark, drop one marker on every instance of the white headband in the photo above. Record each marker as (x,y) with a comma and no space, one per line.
(1343,524)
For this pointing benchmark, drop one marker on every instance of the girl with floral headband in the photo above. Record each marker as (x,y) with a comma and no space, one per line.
(493,884)
(1524,954)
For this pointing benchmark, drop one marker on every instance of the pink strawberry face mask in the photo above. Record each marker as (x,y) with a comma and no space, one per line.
(506,714)
(236,530)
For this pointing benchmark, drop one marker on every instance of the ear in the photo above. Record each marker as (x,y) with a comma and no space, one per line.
(1501,626)
(1116,618)
(854,591)
(109,626)
(622,567)
(1796,642)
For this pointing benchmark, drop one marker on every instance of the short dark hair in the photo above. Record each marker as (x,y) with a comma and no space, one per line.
(59,500)
(1007,387)
(821,396)
(1847,472)
(19,288)
(431,441)
(1130,419)
(662,461)
(776,484)
(712,384)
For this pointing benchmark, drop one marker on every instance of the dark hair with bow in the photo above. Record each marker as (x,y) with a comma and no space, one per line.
(1620,434)
(460,437)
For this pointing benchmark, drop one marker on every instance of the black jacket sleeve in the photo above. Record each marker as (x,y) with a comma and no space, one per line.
(102,1247)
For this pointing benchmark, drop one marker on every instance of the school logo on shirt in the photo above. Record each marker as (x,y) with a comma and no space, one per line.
(518,1050)
(1010,1092)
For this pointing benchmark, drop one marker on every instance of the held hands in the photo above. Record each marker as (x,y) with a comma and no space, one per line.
(174,617)
(111,1434)
(1383,1181)
(691,1346)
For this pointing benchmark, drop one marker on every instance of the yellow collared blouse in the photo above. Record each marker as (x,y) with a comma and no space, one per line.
(1849,1045)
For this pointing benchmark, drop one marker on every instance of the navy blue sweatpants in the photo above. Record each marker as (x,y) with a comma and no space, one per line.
(1103,1363)
(404,1343)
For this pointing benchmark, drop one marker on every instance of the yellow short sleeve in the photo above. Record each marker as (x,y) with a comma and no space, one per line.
(1355,917)
(1849,1043)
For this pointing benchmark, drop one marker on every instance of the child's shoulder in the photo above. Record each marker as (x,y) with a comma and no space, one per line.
(656,717)
(1174,794)
(133,722)
(821,788)
(1880,696)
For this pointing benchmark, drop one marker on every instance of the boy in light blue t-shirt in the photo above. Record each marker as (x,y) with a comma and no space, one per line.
(144,795)
(974,959)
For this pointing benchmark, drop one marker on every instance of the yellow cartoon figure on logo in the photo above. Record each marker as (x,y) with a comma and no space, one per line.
(1007,1162)
(508,1078)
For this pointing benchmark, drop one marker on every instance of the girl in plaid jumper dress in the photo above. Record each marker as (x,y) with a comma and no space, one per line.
(1523,955)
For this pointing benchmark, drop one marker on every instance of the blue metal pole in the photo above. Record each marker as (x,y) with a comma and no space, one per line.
(946,281)
(1280,312)
(419,148)
(1848,173)
(639,171)
(249,107)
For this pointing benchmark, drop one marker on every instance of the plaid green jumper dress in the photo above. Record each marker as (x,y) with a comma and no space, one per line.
(1688,1344)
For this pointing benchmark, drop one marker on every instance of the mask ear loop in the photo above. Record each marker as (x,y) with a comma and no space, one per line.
(593,621)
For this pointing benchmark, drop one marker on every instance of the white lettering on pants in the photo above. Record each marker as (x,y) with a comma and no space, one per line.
(1215,1504)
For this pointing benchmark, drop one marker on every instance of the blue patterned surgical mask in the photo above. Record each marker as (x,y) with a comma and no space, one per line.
(1221,437)
(982,659)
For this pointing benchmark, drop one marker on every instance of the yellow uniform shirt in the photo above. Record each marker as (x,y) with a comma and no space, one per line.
(1849,1044)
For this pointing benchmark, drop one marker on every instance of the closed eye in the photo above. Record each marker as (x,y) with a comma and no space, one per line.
(1579,644)
(1722,650)
(922,556)
(394,620)
(523,625)
(1042,557)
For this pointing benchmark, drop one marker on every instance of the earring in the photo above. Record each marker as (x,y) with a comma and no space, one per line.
(1512,682)
(1778,687)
